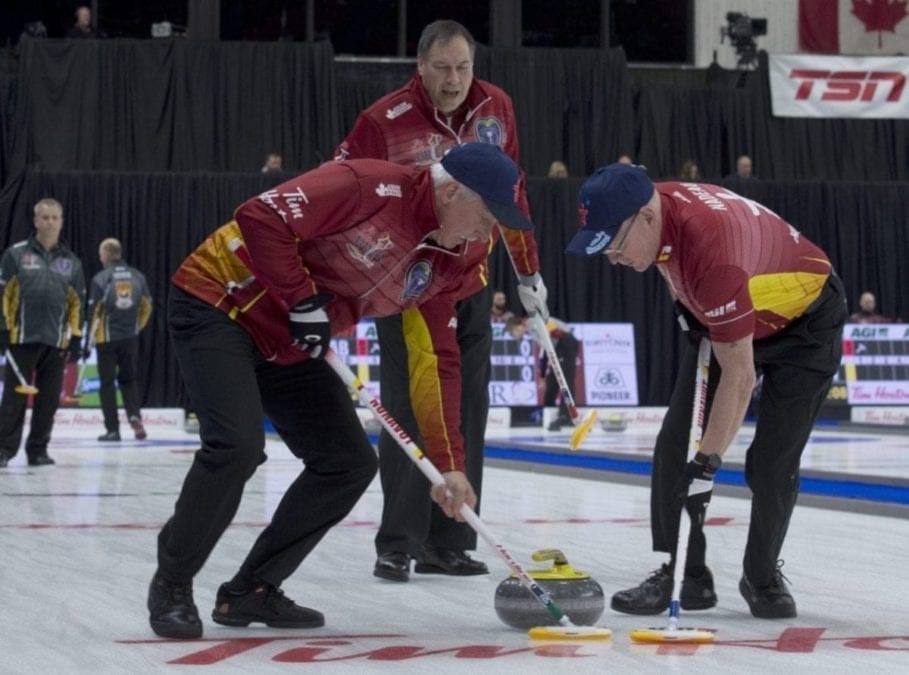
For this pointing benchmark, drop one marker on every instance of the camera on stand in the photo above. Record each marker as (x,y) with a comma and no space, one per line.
(741,30)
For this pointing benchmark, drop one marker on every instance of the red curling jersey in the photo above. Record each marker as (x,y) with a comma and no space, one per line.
(404,127)
(356,230)
(738,266)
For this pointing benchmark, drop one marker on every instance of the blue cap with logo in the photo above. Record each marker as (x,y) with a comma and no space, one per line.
(611,195)
(488,171)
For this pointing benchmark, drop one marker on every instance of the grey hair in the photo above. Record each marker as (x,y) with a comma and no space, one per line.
(49,202)
(443,30)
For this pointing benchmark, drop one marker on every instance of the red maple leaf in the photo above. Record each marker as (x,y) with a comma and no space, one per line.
(880,15)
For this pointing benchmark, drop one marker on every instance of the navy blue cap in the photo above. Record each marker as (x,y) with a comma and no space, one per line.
(489,172)
(608,198)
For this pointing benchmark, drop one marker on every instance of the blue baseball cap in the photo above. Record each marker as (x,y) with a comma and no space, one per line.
(611,195)
(489,172)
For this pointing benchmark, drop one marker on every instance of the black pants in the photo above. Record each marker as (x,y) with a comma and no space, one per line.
(566,350)
(232,388)
(46,363)
(409,516)
(117,361)
(798,365)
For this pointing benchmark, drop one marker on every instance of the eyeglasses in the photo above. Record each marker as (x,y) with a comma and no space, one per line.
(617,248)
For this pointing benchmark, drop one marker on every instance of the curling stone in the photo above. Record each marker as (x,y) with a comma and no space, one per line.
(574,591)
(614,422)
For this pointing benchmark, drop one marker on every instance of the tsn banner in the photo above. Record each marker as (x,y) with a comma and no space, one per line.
(839,86)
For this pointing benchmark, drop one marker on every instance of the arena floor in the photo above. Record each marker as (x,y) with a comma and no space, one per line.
(78,544)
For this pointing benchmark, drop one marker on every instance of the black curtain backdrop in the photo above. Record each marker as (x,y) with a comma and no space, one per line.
(175,104)
(161,217)
(185,105)
(571,104)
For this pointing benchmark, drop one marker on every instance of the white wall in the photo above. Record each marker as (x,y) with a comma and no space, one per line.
(709,15)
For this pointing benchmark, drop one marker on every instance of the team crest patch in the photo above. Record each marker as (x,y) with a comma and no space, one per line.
(63,266)
(416,280)
(489,130)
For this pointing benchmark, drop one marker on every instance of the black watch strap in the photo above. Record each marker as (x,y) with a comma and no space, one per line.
(712,462)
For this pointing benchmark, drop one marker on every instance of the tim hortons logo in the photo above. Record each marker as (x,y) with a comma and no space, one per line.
(794,642)
(848,85)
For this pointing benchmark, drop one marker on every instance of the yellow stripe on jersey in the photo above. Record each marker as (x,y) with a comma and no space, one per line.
(786,294)
(11,297)
(425,387)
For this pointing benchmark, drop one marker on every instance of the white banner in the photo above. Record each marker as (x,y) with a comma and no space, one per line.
(839,86)
(876,363)
(610,373)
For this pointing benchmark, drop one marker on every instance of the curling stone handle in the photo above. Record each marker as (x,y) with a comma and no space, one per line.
(553,554)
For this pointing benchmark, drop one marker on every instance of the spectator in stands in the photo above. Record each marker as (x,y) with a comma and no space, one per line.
(83,27)
(690,171)
(867,312)
(558,169)
(441,107)
(566,349)
(743,169)
(274,163)
(500,311)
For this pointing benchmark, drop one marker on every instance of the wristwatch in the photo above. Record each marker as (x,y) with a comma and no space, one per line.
(713,462)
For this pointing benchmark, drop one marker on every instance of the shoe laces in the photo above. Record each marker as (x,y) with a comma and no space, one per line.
(275,596)
(778,576)
(658,575)
(180,594)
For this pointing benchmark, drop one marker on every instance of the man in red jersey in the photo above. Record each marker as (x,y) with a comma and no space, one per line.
(768,299)
(253,311)
(441,107)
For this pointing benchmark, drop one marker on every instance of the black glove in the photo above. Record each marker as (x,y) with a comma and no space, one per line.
(693,329)
(86,351)
(74,351)
(4,340)
(309,325)
(695,487)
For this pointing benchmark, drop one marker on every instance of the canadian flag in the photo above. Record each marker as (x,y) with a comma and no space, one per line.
(859,27)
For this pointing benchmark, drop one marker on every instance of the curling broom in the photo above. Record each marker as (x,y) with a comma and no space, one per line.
(23,387)
(581,426)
